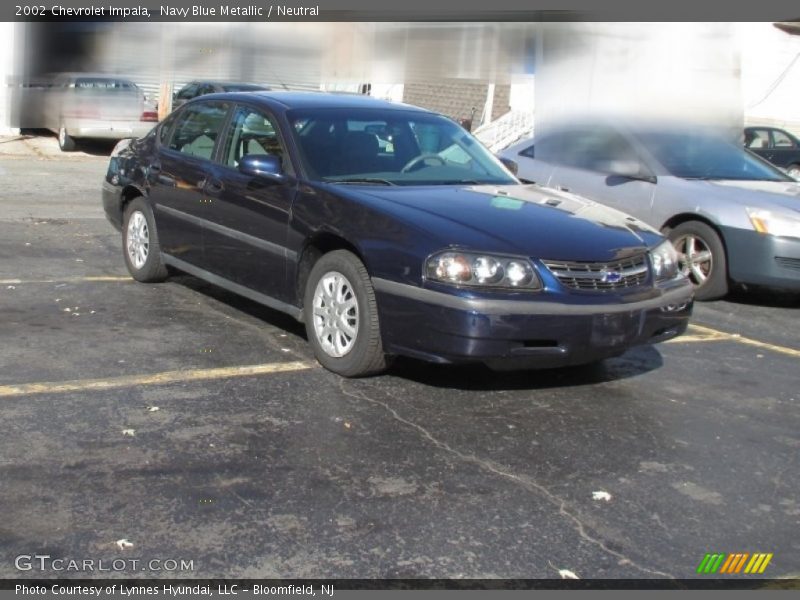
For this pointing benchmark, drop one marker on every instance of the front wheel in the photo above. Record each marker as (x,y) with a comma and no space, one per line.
(701,257)
(140,243)
(794,171)
(341,316)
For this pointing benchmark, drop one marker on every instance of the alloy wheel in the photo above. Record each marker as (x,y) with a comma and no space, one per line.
(335,314)
(138,239)
(694,257)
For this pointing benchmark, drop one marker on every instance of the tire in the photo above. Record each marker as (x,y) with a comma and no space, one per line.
(65,141)
(793,171)
(709,275)
(140,243)
(339,294)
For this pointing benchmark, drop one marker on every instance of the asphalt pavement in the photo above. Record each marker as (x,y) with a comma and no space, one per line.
(179,422)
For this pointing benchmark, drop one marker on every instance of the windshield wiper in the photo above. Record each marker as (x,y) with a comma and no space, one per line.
(364,180)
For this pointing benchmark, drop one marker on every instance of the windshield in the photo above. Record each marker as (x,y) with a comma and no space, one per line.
(693,156)
(391,147)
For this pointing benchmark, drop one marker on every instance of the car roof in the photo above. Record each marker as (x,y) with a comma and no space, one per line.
(222,82)
(770,128)
(291,99)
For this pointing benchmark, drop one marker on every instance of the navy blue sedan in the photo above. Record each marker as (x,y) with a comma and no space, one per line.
(388,230)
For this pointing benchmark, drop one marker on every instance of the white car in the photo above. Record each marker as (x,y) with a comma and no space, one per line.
(97,107)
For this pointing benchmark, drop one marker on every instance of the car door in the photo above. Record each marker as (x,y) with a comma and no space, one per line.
(783,150)
(248,216)
(178,176)
(601,164)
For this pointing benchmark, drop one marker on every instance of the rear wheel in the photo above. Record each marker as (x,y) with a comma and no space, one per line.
(65,141)
(794,171)
(701,258)
(140,243)
(341,316)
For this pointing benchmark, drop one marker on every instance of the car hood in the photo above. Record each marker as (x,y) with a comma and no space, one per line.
(518,219)
(759,194)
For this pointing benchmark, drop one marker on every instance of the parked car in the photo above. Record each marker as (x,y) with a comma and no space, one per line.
(194,89)
(80,106)
(778,146)
(731,215)
(427,248)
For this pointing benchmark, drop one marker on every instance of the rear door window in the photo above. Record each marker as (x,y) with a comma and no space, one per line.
(197,129)
(781,140)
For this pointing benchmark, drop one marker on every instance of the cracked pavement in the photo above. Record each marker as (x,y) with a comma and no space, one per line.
(632,469)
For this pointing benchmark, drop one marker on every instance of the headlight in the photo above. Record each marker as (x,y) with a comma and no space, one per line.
(665,261)
(481,270)
(781,225)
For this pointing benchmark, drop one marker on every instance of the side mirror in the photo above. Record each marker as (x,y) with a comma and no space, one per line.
(265,166)
(509,164)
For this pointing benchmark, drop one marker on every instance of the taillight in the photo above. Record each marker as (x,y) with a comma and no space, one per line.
(149,115)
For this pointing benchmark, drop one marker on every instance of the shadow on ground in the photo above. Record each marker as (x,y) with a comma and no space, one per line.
(636,361)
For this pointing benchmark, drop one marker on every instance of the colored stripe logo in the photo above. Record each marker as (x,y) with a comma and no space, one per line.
(734,564)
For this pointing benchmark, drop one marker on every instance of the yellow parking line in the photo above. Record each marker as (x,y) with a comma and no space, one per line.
(700,337)
(65,280)
(80,385)
(746,340)
(707,334)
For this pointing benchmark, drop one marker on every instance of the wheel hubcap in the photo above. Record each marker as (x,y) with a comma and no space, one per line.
(695,258)
(138,240)
(335,314)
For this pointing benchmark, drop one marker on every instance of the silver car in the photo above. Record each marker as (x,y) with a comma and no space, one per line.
(732,217)
(97,107)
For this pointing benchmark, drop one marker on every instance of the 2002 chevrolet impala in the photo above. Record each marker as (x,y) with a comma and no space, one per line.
(388,230)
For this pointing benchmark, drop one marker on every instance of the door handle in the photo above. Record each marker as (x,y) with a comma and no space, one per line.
(562,188)
(155,167)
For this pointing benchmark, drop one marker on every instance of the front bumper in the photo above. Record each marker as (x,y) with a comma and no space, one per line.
(533,333)
(763,260)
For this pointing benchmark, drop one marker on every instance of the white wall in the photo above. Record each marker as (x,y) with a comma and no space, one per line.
(523,93)
(661,70)
(8,74)
(770,75)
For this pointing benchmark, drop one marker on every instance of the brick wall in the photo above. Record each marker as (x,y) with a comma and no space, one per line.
(502,101)
(456,98)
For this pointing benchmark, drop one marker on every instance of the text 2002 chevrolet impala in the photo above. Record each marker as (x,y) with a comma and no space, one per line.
(388,230)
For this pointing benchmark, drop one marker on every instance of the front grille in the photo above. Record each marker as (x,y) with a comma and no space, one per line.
(594,276)
(788,263)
